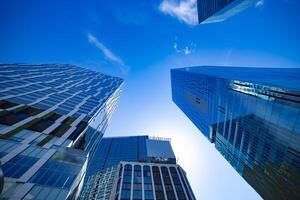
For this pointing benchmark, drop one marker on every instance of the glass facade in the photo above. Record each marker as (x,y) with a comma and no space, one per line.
(126,183)
(211,11)
(177,184)
(60,170)
(153,181)
(51,117)
(137,183)
(252,116)
(169,187)
(158,185)
(112,151)
(148,185)
(100,185)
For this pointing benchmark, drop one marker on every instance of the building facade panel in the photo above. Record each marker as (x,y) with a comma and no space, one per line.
(132,148)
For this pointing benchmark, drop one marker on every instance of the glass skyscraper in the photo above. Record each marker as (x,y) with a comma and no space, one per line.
(252,115)
(211,11)
(137,167)
(52,118)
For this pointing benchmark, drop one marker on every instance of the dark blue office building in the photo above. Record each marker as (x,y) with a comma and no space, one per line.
(253,117)
(112,151)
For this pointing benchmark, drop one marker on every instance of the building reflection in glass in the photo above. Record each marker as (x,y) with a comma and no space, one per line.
(253,117)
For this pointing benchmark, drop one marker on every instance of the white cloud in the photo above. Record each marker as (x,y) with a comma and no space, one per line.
(107,53)
(184,10)
(260,3)
(188,49)
(176,47)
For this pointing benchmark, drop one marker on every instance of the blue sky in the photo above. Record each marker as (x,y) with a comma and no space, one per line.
(140,40)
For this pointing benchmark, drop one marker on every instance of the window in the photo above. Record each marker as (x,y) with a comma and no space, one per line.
(41,125)
(125,193)
(6,147)
(6,104)
(57,174)
(137,175)
(157,183)
(17,166)
(148,195)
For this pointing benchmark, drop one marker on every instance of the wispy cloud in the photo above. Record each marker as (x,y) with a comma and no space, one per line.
(188,49)
(184,10)
(260,3)
(107,53)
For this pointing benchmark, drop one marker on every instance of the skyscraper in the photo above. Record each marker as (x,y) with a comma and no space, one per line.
(52,118)
(211,11)
(253,117)
(137,167)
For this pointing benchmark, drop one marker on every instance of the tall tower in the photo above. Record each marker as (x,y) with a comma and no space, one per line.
(252,115)
(137,167)
(52,118)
